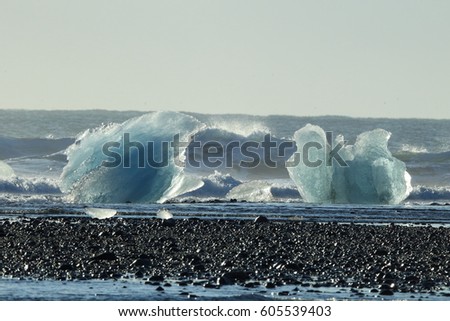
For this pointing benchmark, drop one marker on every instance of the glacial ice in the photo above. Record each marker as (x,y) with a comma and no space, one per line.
(164,214)
(372,174)
(100,213)
(85,178)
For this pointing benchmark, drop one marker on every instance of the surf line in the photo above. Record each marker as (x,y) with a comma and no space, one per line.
(215,154)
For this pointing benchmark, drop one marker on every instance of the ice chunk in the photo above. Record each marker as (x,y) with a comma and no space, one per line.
(100,213)
(372,174)
(164,214)
(313,181)
(87,179)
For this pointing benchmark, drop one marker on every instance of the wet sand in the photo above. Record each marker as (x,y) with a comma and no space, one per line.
(383,258)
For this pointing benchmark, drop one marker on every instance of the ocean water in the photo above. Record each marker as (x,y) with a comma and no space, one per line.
(49,166)
(37,144)
(137,290)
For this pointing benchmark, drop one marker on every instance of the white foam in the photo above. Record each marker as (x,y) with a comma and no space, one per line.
(413,149)
(23,185)
(6,171)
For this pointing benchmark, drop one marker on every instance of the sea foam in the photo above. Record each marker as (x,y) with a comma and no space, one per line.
(11,183)
(6,171)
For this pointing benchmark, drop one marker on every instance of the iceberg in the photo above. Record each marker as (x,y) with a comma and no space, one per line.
(86,179)
(370,175)
(313,182)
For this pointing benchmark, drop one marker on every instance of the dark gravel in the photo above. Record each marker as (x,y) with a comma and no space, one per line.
(386,259)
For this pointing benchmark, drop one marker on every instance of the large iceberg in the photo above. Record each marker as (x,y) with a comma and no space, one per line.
(92,177)
(366,172)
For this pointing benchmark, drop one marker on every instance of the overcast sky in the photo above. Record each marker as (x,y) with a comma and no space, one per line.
(356,58)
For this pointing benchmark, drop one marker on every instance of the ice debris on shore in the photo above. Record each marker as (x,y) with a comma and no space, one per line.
(164,214)
(100,213)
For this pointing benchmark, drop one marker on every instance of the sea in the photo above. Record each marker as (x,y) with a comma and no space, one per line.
(52,164)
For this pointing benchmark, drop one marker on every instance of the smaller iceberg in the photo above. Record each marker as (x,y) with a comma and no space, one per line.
(164,214)
(369,173)
(100,213)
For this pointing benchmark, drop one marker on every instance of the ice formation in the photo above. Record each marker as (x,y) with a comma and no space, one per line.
(100,213)
(164,214)
(86,179)
(372,175)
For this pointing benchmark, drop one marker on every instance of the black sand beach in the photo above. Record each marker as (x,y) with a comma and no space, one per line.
(384,258)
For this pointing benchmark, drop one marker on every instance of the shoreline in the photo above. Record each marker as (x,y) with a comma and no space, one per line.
(383,258)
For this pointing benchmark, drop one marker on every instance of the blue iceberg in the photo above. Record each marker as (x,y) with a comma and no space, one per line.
(370,175)
(86,178)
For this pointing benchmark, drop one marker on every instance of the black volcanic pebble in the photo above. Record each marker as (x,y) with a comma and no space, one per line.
(235,276)
(261,219)
(157,278)
(386,292)
(209,286)
(66,267)
(169,222)
(389,258)
(108,256)
(141,262)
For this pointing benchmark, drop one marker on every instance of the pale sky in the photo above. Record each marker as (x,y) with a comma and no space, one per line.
(380,58)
